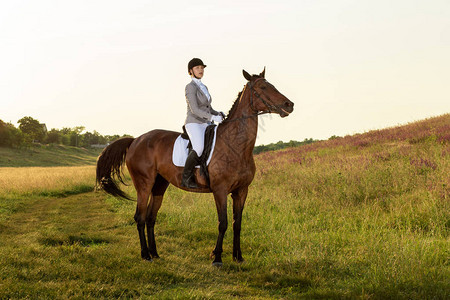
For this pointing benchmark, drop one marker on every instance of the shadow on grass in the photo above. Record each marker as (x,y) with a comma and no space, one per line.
(79,189)
(283,282)
(201,234)
(83,241)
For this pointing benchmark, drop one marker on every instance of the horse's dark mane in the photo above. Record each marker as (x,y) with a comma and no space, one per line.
(235,105)
(236,102)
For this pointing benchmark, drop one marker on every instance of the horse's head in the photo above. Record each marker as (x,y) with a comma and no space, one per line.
(265,97)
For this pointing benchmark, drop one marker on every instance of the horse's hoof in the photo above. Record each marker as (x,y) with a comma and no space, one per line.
(217,264)
(147,258)
(239,260)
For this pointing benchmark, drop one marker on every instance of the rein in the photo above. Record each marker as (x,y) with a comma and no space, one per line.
(255,111)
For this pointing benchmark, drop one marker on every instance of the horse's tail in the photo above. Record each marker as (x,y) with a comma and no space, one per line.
(109,166)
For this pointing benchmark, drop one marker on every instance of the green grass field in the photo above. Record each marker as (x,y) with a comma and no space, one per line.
(47,156)
(360,217)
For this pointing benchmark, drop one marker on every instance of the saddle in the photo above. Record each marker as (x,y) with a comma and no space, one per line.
(208,147)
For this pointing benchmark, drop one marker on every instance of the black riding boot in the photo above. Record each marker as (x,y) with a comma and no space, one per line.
(188,179)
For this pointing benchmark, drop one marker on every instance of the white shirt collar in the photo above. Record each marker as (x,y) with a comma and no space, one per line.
(197,81)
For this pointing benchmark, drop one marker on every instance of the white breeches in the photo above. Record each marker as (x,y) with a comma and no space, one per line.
(196,133)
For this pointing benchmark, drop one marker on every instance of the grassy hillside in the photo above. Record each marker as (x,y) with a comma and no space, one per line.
(360,217)
(371,210)
(47,156)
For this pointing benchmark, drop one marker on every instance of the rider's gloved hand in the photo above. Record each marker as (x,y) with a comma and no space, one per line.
(217,119)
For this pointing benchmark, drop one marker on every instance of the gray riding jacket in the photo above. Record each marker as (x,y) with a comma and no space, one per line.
(199,108)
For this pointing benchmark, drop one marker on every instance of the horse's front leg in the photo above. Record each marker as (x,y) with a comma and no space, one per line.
(239,197)
(221,205)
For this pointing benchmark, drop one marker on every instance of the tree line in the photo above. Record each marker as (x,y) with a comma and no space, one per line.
(281,145)
(32,131)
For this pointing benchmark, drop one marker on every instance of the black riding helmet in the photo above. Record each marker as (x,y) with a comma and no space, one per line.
(195,62)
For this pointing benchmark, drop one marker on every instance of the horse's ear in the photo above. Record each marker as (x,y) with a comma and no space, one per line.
(263,73)
(246,75)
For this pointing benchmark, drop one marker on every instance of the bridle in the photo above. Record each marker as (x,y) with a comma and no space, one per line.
(271,107)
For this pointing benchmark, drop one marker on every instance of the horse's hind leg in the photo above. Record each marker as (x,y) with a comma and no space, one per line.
(143,187)
(158,190)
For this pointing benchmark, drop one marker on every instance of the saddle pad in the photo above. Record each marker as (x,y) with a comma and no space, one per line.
(181,151)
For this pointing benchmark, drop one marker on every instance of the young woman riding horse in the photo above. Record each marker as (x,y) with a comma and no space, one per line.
(231,169)
(200,114)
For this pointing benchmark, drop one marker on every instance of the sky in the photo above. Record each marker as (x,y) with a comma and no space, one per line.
(120,67)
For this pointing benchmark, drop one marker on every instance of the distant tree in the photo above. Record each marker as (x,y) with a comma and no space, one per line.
(65,139)
(281,145)
(54,136)
(334,137)
(66,130)
(102,140)
(16,136)
(76,131)
(4,134)
(87,138)
(72,136)
(10,136)
(112,138)
(73,139)
(65,135)
(32,129)
(97,138)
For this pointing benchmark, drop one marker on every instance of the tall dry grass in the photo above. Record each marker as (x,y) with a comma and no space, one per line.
(45,180)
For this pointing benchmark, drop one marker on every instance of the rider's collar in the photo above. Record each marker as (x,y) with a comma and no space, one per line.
(196,80)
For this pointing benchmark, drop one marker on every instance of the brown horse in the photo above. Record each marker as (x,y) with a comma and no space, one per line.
(231,169)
